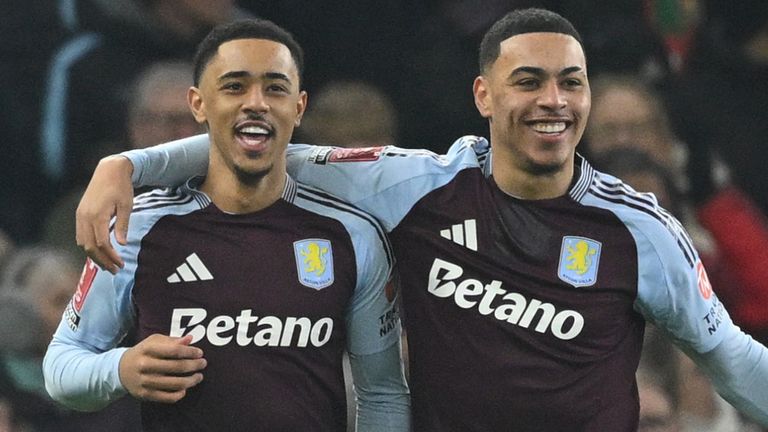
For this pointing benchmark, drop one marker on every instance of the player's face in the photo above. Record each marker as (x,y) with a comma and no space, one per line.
(537,98)
(249,97)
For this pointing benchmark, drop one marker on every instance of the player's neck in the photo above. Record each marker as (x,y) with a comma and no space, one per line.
(522,183)
(231,195)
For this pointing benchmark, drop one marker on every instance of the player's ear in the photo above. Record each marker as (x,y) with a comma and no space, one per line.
(301,106)
(482,93)
(196,105)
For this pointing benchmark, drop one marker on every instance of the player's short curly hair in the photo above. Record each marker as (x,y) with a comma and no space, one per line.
(520,21)
(245,29)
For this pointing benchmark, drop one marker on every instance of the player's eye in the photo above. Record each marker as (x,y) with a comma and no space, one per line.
(528,83)
(572,83)
(232,86)
(279,88)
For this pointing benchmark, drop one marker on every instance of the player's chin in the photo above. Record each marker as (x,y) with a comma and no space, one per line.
(546,165)
(251,175)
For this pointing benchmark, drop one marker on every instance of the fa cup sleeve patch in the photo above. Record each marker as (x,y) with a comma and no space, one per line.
(72,312)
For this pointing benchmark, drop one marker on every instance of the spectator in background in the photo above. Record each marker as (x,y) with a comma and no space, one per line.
(30,31)
(44,277)
(657,406)
(7,247)
(157,109)
(157,112)
(349,114)
(627,112)
(7,420)
(675,23)
(719,104)
(35,286)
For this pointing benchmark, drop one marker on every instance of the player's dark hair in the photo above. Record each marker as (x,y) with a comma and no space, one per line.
(520,21)
(245,29)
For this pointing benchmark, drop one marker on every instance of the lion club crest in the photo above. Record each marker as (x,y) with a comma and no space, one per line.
(579,261)
(314,262)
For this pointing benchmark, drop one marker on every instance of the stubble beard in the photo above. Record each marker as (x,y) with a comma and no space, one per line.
(252,178)
(539,169)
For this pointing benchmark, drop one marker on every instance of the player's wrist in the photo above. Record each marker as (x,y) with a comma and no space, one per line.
(116,165)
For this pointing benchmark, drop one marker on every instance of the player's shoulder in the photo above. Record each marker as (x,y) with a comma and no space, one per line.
(329,205)
(150,207)
(642,214)
(168,200)
(619,196)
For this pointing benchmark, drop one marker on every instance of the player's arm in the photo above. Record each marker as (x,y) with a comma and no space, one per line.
(85,369)
(675,294)
(110,191)
(158,369)
(738,368)
(383,402)
(385,182)
(81,364)
(373,338)
(80,377)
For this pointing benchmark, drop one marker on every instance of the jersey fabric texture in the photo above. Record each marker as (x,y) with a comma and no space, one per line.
(273,298)
(522,315)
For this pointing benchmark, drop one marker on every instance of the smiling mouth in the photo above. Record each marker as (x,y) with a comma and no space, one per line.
(254,137)
(549,127)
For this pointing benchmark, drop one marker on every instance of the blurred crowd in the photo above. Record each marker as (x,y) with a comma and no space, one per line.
(680,109)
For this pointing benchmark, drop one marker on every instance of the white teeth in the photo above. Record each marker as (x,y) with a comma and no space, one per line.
(549,127)
(254,130)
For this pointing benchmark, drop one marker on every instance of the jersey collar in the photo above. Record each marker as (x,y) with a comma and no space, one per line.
(192,185)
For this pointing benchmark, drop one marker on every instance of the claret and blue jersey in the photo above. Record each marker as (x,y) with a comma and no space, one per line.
(273,298)
(522,315)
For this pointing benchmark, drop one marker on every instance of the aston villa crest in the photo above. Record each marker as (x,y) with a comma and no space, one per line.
(314,262)
(579,261)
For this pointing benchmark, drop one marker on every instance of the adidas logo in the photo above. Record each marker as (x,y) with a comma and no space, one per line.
(192,270)
(464,234)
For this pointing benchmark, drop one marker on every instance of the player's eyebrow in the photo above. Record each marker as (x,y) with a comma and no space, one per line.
(244,74)
(540,72)
(277,76)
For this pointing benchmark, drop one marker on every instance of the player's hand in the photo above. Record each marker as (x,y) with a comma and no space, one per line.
(162,368)
(109,193)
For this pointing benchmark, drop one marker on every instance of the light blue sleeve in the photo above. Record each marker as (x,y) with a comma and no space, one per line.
(673,289)
(81,364)
(738,367)
(169,164)
(374,332)
(385,182)
(372,319)
(383,403)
